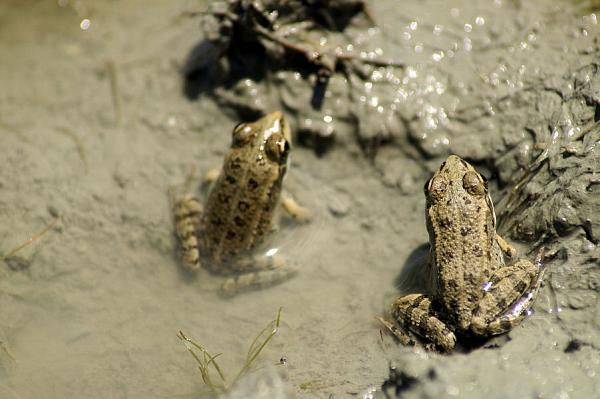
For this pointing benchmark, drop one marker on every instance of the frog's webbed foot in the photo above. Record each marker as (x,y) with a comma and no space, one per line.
(506,248)
(258,272)
(415,313)
(187,212)
(510,293)
(295,210)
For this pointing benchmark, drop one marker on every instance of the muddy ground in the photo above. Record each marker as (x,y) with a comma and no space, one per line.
(95,126)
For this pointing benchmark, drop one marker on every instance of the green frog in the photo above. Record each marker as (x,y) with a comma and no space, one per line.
(239,211)
(475,293)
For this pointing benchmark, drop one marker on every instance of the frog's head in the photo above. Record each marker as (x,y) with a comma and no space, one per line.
(270,136)
(457,177)
(456,169)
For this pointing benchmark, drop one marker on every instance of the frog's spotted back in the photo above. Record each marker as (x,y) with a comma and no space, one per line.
(240,207)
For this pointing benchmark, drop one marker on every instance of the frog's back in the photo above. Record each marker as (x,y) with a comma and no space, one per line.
(240,206)
(464,251)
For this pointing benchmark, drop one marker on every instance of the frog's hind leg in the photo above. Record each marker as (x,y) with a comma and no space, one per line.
(187,213)
(416,313)
(258,272)
(403,336)
(509,295)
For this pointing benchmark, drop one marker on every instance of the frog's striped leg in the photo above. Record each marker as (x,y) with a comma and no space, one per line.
(187,212)
(415,313)
(510,293)
(403,336)
(258,272)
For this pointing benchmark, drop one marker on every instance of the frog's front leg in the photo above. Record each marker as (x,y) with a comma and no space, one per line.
(187,212)
(415,313)
(211,176)
(258,272)
(294,209)
(509,295)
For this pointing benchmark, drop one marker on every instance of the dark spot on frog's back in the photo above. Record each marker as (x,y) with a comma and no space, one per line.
(239,221)
(224,198)
(235,164)
(477,251)
(243,206)
(467,200)
(230,179)
(464,231)
(230,235)
(445,222)
(252,184)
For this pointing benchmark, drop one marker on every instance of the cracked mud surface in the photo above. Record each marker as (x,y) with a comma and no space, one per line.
(95,128)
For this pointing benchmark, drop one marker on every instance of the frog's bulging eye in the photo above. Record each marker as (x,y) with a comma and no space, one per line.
(435,189)
(474,183)
(277,148)
(242,134)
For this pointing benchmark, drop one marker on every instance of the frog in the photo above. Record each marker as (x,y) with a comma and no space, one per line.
(223,234)
(474,291)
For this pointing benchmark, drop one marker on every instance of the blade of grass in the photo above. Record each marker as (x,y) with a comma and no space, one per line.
(204,363)
(252,355)
(30,240)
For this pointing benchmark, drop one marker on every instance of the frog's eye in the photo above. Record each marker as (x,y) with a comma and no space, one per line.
(277,148)
(436,188)
(474,183)
(242,134)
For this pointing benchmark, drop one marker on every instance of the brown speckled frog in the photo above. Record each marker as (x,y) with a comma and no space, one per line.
(240,208)
(475,293)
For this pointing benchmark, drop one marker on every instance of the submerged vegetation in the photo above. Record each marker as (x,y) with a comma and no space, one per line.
(219,384)
(11,254)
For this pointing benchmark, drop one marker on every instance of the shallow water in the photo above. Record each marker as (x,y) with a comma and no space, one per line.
(95,129)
